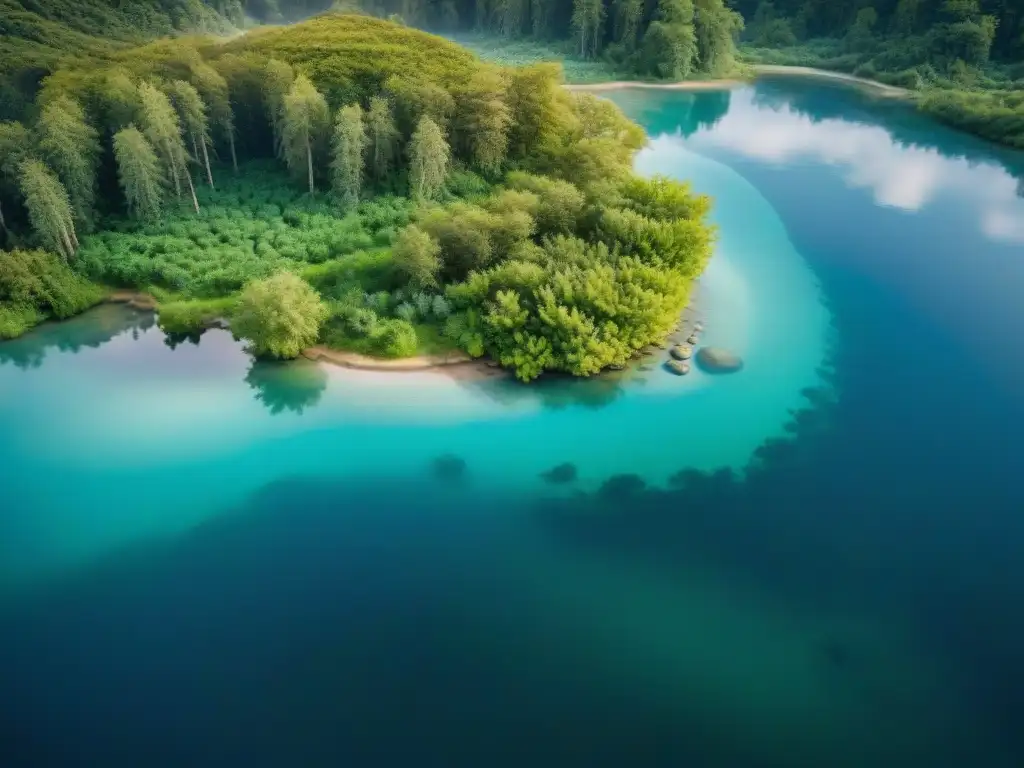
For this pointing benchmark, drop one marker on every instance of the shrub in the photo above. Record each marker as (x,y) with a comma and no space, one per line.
(279,316)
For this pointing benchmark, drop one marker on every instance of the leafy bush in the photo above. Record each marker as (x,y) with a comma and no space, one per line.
(279,316)
(35,285)
(193,315)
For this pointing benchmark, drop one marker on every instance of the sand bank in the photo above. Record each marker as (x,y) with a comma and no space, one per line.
(882,89)
(682,85)
(458,365)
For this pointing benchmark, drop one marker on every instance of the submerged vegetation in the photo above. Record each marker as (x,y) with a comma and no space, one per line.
(391,194)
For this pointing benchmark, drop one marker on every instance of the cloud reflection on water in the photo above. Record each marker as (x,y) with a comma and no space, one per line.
(905,176)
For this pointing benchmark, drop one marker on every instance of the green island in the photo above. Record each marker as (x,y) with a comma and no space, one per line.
(352,185)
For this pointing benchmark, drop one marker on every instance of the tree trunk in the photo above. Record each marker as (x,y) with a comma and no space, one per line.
(174,169)
(234,157)
(206,159)
(309,163)
(192,189)
(67,244)
(3,222)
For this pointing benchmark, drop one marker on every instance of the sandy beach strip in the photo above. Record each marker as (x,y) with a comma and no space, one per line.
(882,89)
(457,365)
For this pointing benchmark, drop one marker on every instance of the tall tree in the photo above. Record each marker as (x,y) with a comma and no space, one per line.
(213,89)
(49,208)
(163,130)
(429,157)
(347,147)
(717,28)
(629,15)
(138,171)
(119,99)
(484,119)
(417,256)
(71,147)
(383,137)
(278,78)
(586,22)
(415,98)
(192,113)
(306,121)
(670,43)
(535,98)
(15,148)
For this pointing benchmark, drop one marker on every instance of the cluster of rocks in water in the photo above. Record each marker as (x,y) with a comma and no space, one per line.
(710,359)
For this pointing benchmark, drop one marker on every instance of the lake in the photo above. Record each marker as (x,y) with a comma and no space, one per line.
(818,560)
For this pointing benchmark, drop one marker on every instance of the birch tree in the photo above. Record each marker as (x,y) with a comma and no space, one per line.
(138,171)
(429,157)
(348,145)
(278,79)
(214,91)
(383,137)
(306,121)
(484,118)
(70,146)
(49,208)
(163,131)
(192,114)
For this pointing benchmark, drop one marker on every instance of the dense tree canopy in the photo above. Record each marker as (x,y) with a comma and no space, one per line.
(518,231)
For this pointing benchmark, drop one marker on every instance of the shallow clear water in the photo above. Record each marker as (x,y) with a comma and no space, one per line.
(207,562)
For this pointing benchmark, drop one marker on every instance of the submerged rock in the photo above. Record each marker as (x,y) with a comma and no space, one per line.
(677,367)
(718,360)
(449,467)
(622,486)
(693,338)
(681,352)
(563,473)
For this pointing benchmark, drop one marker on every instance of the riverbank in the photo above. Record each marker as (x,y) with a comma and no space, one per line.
(728,84)
(882,89)
(458,365)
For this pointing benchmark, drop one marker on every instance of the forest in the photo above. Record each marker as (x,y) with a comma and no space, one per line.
(390,194)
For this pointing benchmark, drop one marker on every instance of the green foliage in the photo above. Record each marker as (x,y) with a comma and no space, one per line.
(382,146)
(306,121)
(429,158)
(352,56)
(482,120)
(35,285)
(49,208)
(251,226)
(417,256)
(70,147)
(279,316)
(347,147)
(139,173)
(526,238)
(193,315)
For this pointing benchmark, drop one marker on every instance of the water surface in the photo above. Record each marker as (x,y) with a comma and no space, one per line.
(208,562)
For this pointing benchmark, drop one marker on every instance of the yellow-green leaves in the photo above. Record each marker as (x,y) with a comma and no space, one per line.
(279,316)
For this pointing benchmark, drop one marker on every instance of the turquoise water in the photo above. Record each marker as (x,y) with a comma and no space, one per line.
(239,563)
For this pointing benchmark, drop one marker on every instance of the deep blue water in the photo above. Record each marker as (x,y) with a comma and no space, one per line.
(278,582)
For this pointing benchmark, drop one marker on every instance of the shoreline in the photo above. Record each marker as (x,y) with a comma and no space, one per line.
(883,89)
(728,84)
(457,365)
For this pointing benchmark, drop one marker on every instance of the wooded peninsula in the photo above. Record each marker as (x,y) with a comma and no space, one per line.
(353,182)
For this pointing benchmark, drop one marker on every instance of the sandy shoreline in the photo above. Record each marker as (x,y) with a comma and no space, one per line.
(728,84)
(883,89)
(682,85)
(457,365)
